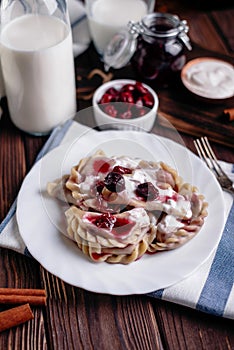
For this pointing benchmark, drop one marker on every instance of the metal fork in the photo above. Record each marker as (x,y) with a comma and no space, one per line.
(206,153)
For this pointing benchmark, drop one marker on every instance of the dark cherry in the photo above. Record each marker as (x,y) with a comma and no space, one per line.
(106,220)
(99,186)
(139,102)
(118,226)
(110,110)
(147,191)
(128,87)
(138,111)
(112,91)
(148,100)
(130,96)
(121,170)
(106,98)
(126,96)
(140,88)
(142,112)
(114,182)
(126,115)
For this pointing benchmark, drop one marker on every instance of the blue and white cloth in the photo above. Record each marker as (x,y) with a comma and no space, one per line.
(210,289)
(79,24)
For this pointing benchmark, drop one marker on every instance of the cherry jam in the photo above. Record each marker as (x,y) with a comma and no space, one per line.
(160,52)
(117,226)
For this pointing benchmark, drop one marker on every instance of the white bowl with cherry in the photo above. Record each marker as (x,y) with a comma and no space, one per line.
(125,104)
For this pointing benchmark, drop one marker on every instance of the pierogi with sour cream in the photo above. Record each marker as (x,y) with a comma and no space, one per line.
(122,207)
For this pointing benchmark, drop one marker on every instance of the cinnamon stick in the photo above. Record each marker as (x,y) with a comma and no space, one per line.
(229,114)
(22,296)
(15,316)
(22,291)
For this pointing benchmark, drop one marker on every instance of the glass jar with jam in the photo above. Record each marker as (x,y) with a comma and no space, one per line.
(155,46)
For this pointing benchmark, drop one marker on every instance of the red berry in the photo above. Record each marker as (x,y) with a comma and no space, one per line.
(112,91)
(142,112)
(114,182)
(122,170)
(105,220)
(99,186)
(110,110)
(126,115)
(139,87)
(128,87)
(147,191)
(148,100)
(134,94)
(126,96)
(139,102)
(106,98)
(138,111)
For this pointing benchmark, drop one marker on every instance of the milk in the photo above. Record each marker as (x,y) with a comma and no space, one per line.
(38,70)
(108,17)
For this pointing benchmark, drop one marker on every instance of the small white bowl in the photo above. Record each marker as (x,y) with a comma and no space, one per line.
(209,79)
(104,121)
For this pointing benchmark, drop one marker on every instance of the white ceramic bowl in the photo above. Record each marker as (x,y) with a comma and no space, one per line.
(209,79)
(104,121)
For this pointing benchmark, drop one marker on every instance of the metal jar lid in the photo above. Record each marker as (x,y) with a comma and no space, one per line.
(122,46)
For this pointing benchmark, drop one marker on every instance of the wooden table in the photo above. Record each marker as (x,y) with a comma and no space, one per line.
(75,318)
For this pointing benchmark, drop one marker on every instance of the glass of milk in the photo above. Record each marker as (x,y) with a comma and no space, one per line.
(107,17)
(37,63)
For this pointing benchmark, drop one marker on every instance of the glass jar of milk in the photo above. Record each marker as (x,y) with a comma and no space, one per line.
(37,63)
(107,17)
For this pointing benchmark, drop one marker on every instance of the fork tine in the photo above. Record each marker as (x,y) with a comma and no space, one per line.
(206,153)
(212,156)
(201,153)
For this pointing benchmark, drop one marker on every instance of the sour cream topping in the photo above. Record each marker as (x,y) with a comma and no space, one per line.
(210,78)
(168,200)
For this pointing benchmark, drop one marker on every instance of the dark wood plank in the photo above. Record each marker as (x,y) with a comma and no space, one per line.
(195,128)
(17,271)
(12,160)
(225,27)
(203,33)
(97,321)
(77,319)
(205,18)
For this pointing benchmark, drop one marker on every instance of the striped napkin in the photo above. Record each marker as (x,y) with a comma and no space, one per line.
(80,30)
(209,289)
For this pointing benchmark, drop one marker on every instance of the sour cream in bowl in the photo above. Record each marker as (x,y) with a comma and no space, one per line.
(209,78)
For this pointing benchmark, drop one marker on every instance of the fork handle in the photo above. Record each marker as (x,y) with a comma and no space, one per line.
(229,190)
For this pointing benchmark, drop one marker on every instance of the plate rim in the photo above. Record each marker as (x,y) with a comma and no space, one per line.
(107,290)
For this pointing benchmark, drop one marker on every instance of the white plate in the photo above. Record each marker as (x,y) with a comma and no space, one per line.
(40,218)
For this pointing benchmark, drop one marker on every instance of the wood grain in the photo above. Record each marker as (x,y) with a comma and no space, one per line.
(17,271)
(225,27)
(73,317)
(96,321)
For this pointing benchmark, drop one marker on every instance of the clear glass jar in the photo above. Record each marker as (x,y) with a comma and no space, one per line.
(37,63)
(155,46)
(160,51)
